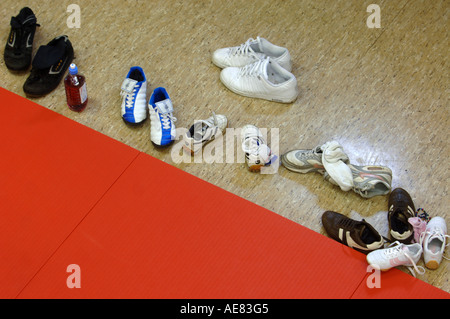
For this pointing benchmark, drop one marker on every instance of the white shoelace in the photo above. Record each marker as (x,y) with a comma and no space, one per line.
(253,69)
(244,48)
(435,233)
(166,119)
(398,250)
(129,97)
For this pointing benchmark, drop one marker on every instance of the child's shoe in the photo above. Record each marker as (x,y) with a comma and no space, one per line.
(398,255)
(257,153)
(203,132)
(433,242)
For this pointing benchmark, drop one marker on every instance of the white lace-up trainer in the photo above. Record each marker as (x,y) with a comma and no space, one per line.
(264,79)
(257,153)
(134,93)
(433,242)
(251,51)
(398,255)
(204,131)
(162,130)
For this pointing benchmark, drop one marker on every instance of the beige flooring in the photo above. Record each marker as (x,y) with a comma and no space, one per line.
(382,93)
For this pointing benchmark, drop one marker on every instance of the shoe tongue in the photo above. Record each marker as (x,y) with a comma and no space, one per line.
(264,66)
(256,45)
(360,229)
(365,233)
(401,216)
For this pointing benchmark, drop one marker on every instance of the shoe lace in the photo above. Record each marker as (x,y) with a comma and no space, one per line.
(435,232)
(129,97)
(244,48)
(167,119)
(252,69)
(397,250)
(348,223)
(308,153)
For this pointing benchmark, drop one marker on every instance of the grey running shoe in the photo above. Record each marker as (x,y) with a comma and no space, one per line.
(304,161)
(369,180)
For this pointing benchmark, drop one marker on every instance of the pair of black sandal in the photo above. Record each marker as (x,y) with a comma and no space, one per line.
(50,62)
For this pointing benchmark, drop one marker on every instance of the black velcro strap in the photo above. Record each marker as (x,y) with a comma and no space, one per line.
(15,23)
(47,55)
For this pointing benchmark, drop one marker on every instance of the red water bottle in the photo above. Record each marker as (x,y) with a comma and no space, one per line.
(76,92)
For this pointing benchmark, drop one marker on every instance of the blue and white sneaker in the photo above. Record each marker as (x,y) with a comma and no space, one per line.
(162,131)
(134,92)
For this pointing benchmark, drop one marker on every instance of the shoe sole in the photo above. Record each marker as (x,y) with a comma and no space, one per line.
(255,168)
(264,97)
(432,264)
(162,146)
(138,124)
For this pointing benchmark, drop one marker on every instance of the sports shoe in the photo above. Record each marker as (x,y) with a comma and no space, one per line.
(49,66)
(358,235)
(134,93)
(251,51)
(264,79)
(204,131)
(257,153)
(369,180)
(400,209)
(433,242)
(398,255)
(162,131)
(304,161)
(19,46)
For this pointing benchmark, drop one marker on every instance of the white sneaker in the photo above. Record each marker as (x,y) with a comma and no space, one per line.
(134,92)
(399,255)
(257,153)
(264,79)
(204,131)
(251,51)
(433,242)
(162,130)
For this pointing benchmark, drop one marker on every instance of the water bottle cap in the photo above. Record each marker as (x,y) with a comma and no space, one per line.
(73,69)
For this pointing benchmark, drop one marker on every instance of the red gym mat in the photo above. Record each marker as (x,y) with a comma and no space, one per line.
(140,228)
(161,233)
(53,172)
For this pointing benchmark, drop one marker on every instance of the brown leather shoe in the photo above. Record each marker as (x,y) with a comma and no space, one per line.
(400,208)
(358,235)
